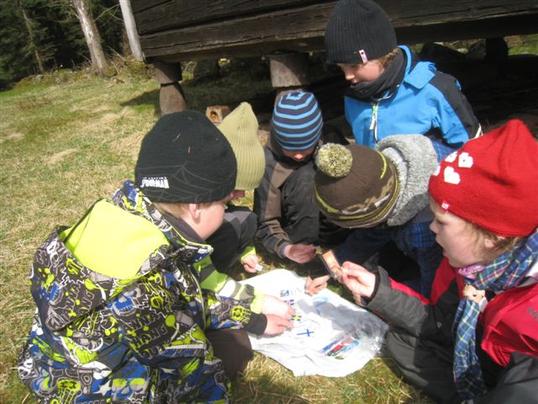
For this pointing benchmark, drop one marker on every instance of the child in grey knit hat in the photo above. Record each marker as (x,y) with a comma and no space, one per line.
(382,195)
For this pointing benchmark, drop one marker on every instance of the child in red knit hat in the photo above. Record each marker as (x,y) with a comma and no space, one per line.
(476,338)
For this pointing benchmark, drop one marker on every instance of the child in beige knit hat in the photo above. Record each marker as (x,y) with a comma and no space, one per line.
(233,240)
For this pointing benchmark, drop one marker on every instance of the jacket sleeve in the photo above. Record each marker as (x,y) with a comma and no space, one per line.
(517,383)
(406,309)
(224,312)
(223,285)
(267,206)
(170,333)
(454,115)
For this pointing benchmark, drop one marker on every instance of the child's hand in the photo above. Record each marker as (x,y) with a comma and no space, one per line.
(250,262)
(276,325)
(313,286)
(276,306)
(359,281)
(300,253)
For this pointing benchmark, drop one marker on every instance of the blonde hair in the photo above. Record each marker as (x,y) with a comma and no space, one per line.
(385,60)
(176,209)
(501,244)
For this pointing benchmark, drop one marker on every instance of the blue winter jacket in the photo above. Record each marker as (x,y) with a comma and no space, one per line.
(426,102)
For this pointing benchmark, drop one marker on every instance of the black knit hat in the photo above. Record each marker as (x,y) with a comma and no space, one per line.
(355,186)
(185,158)
(358,31)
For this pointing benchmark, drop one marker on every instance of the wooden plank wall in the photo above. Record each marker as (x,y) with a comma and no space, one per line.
(164,15)
(188,29)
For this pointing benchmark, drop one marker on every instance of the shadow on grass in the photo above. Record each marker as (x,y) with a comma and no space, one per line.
(146,98)
(230,89)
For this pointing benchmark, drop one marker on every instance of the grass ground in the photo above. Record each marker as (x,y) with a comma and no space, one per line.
(70,138)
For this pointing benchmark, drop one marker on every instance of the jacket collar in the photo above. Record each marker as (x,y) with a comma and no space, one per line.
(180,235)
(417,73)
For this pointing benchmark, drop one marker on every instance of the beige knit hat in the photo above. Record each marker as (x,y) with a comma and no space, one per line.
(240,127)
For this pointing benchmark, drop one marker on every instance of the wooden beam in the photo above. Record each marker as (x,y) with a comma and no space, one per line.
(171,96)
(174,14)
(281,26)
(303,29)
(160,15)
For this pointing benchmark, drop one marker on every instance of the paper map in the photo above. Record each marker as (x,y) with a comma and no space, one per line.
(330,337)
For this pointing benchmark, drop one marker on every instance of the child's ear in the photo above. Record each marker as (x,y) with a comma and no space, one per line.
(194,211)
(492,243)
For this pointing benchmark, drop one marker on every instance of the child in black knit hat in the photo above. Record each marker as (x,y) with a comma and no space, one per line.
(121,313)
(391,92)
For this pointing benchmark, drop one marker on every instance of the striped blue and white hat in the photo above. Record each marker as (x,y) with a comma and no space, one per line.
(297,121)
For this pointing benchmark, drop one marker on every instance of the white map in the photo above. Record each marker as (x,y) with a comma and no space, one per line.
(331,336)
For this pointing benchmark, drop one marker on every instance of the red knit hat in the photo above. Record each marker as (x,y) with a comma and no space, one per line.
(492,181)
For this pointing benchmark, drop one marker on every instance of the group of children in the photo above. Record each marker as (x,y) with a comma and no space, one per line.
(135,301)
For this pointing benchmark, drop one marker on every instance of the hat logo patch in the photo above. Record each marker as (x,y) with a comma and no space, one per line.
(465,160)
(450,176)
(154,182)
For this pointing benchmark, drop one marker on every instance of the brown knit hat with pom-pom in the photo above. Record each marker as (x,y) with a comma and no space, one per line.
(355,186)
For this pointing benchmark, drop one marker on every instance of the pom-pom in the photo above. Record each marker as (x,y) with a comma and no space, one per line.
(334,160)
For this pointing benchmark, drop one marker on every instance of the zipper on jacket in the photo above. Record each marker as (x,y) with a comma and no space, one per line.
(202,299)
(373,120)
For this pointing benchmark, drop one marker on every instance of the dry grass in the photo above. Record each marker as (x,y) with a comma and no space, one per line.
(66,142)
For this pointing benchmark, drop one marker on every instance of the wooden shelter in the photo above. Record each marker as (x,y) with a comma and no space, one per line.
(171,31)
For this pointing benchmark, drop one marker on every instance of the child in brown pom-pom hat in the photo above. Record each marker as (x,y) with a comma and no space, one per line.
(476,338)
(381,195)
(121,315)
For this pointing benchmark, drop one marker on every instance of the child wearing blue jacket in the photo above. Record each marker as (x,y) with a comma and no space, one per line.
(391,92)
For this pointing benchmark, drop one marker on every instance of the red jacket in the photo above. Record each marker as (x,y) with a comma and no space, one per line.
(509,321)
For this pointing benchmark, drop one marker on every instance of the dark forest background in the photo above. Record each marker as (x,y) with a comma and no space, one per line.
(37,36)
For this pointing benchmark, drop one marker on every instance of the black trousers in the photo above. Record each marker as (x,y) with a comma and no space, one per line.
(233,348)
(427,365)
(424,364)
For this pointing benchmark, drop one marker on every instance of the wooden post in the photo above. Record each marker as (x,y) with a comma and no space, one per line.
(289,71)
(171,96)
(130,28)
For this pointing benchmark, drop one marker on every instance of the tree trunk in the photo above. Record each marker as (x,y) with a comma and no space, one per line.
(32,45)
(91,34)
(130,28)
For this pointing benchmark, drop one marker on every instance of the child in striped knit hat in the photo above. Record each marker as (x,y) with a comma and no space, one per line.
(288,217)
